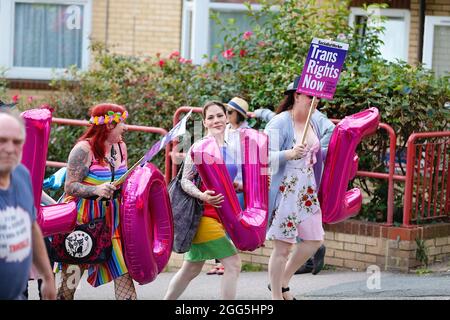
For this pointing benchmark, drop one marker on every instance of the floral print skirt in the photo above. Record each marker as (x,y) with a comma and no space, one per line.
(297,215)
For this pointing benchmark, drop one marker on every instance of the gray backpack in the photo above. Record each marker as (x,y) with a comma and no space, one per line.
(187,212)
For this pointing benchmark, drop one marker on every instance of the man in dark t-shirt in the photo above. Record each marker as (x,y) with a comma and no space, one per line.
(21,241)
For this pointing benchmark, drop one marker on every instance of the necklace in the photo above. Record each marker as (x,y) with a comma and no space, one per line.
(294,141)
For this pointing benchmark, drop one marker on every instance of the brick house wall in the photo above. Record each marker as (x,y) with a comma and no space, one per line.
(357,245)
(138,27)
(433,8)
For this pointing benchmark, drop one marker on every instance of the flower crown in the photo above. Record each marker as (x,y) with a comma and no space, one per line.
(109,117)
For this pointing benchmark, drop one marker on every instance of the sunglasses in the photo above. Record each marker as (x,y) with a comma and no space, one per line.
(230,111)
(309,97)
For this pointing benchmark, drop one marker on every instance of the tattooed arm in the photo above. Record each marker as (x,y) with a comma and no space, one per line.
(190,188)
(189,172)
(77,170)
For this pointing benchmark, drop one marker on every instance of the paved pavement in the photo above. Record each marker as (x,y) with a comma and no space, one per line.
(326,285)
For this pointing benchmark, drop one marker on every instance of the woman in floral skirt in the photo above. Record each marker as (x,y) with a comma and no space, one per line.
(295,215)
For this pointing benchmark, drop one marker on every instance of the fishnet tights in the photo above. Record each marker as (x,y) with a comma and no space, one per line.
(123,286)
(69,282)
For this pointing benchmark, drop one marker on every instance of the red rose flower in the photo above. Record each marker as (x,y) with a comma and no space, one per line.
(174,54)
(290,224)
(282,188)
(242,53)
(247,35)
(310,190)
(161,63)
(308,203)
(228,54)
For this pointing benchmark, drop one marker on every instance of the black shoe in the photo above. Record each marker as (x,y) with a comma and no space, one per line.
(283,290)
(318,260)
(306,268)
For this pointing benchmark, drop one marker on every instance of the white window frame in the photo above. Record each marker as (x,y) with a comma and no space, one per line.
(7,40)
(199,39)
(428,37)
(389,13)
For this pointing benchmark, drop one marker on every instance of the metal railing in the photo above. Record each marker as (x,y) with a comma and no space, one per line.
(388,176)
(161,131)
(427,185)
(427,179)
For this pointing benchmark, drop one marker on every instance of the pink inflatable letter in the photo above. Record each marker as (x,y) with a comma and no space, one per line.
(147,226)
(341,164)
(58,218)
(247,228)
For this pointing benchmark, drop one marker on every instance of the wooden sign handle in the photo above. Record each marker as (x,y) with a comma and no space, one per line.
(308,120)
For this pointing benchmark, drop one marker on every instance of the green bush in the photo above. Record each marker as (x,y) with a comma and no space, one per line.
(2,84)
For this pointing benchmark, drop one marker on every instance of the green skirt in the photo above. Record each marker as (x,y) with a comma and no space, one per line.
(215,249)
(210,242)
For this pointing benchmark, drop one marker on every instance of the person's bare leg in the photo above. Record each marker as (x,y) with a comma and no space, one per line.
(188,271)
(277,264)
(232,266)
(301,253)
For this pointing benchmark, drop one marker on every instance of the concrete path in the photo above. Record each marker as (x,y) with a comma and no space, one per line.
(326,285)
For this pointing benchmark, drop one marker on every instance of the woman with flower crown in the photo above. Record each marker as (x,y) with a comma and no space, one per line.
(99,157)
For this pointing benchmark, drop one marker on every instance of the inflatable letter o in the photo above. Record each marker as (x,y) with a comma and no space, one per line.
(146,223)
(336,202)
(246,228)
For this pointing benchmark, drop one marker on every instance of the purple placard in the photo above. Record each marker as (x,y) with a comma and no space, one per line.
(322,68)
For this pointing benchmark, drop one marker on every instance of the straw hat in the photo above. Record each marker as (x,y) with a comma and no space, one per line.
(240,105)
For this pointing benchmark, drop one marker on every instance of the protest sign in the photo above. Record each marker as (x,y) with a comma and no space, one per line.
(321,72)
(322,68)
